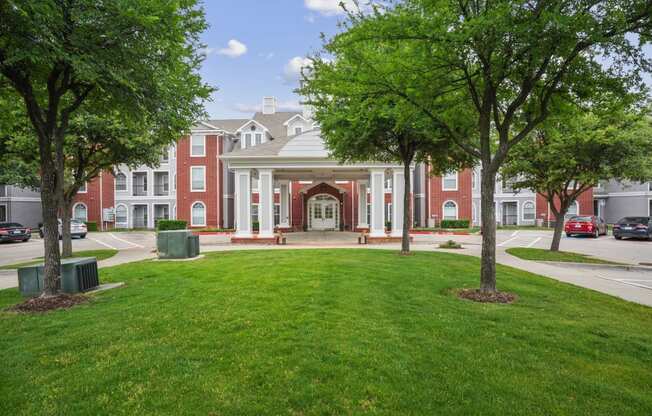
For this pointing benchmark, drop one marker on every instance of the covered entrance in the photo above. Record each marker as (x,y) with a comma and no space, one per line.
(323,213)
(510,213)
(295,185)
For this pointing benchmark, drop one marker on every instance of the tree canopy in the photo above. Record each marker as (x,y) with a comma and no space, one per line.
(501,66)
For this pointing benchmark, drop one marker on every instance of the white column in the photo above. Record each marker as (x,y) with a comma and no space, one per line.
(362,204)
(284,199)
(266,203)
(377,180)
(398,193)
(243,203)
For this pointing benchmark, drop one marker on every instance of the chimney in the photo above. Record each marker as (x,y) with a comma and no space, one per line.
(269,105)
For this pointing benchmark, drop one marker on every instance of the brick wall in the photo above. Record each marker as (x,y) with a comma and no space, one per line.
(462,196)
(209,197)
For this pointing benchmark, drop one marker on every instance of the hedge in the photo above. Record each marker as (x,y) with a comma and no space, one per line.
(91,225)
(166,225)
(455,223)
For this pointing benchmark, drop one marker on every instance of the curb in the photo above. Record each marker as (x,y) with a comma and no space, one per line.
(596,266)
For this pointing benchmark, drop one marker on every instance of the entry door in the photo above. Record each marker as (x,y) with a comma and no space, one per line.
(510,213)
(323,215)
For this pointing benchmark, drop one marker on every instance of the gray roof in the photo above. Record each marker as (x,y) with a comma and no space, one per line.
(230,125)
(270,148)
(274,122)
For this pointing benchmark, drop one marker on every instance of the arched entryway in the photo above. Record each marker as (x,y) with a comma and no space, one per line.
(323,212)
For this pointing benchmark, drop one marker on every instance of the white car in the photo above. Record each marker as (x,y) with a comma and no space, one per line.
(77,229)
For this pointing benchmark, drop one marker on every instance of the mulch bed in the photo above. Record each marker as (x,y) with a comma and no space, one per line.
(491,297)
(44,304)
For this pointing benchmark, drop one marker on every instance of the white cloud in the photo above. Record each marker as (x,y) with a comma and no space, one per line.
(235,48)
(292,70)
(329,7)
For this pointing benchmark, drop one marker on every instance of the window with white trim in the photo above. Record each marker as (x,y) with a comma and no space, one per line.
(254,184)
(528,211)
(197,145)
(449,182)
(388,212)
(254,213)
(246,140)
(3,213)
(474,182)
(197,178)
(277,214)
(80,212)
(573,209)
(258,138)
(298,130)
(198,214)
(449,211)
(83,189)
(120,182)
(121,215)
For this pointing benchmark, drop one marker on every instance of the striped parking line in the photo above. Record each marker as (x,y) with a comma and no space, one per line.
(103,243)
(507,241)
(536,240)
(126,242)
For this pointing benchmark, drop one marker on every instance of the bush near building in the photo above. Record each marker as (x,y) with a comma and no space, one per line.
(167,225)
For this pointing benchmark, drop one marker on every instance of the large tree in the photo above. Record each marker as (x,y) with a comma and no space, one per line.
(502,65)
(361,123)
(97,143)
(571,152)
(138,57)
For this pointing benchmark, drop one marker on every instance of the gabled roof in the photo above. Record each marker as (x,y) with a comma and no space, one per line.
(308,144)
(248,122)
(274,122)
(227,125)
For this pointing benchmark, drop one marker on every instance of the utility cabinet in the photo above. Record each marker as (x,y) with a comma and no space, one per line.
(76,275)
(177,244)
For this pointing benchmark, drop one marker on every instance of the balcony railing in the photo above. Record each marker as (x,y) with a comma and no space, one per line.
(139,189)
(162,189)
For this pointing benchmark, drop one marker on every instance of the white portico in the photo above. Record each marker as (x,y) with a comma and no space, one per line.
(333,196)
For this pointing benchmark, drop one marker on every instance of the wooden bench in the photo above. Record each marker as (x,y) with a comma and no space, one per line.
(280,238)
(363,238)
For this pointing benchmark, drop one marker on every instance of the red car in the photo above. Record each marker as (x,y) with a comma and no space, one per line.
(585,225)
(12,231)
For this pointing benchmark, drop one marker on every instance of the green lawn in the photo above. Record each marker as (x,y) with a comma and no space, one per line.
(547,255)
(100,254)
(328,332)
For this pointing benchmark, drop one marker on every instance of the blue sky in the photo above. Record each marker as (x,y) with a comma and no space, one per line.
(277,35)
(255,48)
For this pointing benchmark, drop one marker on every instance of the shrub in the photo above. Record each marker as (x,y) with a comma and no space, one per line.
(167,225)
(255,226)
(91,225)
(455,223)
(450,244)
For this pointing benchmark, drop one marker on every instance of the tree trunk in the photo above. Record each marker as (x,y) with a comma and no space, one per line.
(50,207)
(66,240)
(559,227)
(405,240)
(488,228)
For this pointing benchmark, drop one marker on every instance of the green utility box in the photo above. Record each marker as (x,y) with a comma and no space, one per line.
(77,275)
(177,244)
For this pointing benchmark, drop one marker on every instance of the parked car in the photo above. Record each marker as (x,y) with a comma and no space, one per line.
(633,227)
(585,225)
(77,229)
(13,231)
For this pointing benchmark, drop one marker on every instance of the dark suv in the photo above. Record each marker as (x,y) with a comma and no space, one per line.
(633,227)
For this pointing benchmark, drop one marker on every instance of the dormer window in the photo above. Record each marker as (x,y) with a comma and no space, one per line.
(259,138)
(246,142)
(298,130)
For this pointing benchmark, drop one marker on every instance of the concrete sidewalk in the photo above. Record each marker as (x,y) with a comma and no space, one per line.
(9,278)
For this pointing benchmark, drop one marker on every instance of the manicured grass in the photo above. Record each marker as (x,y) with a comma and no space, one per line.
(547,255)
(100,254)
(328,332)
(524,227)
